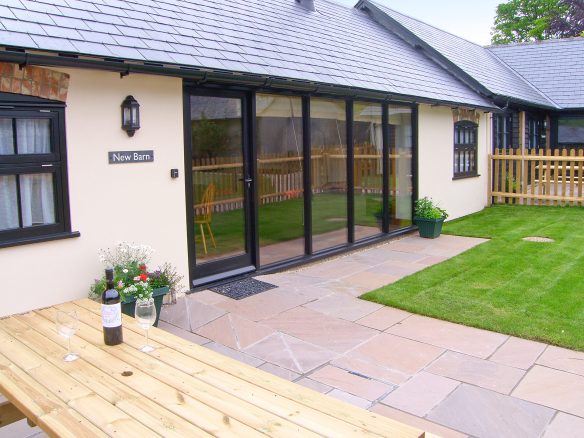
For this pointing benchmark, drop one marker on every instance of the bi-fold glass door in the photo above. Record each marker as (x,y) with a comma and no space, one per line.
(278,178)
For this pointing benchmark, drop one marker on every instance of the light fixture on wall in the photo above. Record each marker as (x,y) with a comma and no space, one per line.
(130,115)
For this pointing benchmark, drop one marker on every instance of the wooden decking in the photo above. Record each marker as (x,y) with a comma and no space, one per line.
(181,389)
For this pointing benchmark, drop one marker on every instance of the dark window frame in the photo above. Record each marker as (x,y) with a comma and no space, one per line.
(462,128)
(54,162)
(536,132)
(567,116)
(503,131)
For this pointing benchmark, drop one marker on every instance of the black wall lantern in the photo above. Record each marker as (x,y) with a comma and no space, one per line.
(130,115)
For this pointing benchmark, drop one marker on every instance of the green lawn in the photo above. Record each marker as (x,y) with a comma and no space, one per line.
(531,290)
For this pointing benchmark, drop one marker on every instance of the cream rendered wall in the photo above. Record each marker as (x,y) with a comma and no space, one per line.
(133,202)
(436,155)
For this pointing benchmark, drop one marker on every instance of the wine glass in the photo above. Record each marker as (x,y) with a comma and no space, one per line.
(145,315)
(67,324)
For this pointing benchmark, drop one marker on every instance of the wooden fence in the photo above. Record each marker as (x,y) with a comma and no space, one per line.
(543,177)
(280,177)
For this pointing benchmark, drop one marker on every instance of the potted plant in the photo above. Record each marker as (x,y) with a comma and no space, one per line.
(132,279)
(429,218)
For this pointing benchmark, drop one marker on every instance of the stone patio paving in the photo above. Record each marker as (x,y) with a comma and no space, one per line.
(449,379)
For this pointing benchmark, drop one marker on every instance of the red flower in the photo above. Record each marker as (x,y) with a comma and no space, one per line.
(143,277)
(142,268)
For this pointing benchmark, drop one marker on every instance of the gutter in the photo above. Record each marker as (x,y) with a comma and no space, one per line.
(201,74)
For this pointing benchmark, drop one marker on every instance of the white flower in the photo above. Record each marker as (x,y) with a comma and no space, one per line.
(125,271)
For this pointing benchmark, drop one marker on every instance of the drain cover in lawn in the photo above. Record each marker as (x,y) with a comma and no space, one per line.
(242,288)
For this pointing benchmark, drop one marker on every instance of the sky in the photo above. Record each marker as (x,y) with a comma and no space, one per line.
(470,19)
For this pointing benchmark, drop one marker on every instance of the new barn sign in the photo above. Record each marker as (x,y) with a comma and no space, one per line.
(124,157)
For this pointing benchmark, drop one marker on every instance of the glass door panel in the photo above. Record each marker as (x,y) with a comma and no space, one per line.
(220,182)
(368,168)
(328,132)
(400,167)
(280,177)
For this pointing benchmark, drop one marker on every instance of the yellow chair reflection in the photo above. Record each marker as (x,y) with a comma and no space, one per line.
(204,218)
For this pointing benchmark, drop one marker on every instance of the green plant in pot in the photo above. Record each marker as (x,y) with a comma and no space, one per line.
(132,278)
(429,217)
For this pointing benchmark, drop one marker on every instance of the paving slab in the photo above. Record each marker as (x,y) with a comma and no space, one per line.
(556,389)
(343,306)
(279,371)
(383,318)
(185,334)
(290,353)
(404,356)
(487,414)
(518,353)
(350,398)
(357,362)
(479,372)
(357,385)
(237,355)
(234,331)
(264,305)
(455,337)
(565,426)
(331,333)
(421,393)
(562,359)
(313,384)
(201,314)
(420,423)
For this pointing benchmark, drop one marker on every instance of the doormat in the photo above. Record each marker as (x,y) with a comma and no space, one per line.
(241,289)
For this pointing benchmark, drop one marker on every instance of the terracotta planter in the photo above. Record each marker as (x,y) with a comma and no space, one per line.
(158,295)
(429,228)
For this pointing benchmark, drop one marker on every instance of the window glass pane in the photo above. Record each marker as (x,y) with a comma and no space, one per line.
(368,168)
(328,131)
(400,167)
(280,177)
(33,136)
(8,202)
(6,137)
(37,199)
(571,130)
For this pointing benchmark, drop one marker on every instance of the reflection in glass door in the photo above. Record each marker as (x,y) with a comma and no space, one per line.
(220,183)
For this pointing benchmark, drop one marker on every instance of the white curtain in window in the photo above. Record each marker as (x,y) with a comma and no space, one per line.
(37,199)
(33,136)
(6,137)
(8,202)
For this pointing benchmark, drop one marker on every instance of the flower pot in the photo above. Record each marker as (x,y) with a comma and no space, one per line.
(129,305)
(429,228)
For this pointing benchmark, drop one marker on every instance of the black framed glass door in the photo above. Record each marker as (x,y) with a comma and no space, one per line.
(221,229)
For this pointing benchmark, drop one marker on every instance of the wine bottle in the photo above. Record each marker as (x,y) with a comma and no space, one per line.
(111,312)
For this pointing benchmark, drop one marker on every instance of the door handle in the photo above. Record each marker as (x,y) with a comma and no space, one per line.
(246,180)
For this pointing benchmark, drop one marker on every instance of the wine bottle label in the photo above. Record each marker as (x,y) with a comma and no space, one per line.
(111,315)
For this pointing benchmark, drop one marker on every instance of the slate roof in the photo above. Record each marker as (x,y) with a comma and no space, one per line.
(335,45)
(556,67)
(475,60)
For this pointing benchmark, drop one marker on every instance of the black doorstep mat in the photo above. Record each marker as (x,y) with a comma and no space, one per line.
(244,288)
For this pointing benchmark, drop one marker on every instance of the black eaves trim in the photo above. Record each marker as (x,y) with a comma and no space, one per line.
(38,239)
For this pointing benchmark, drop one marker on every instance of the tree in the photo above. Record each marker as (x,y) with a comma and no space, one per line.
(570,24)
(526,20)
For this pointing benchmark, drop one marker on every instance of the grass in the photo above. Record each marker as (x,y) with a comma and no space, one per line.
(531,290)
